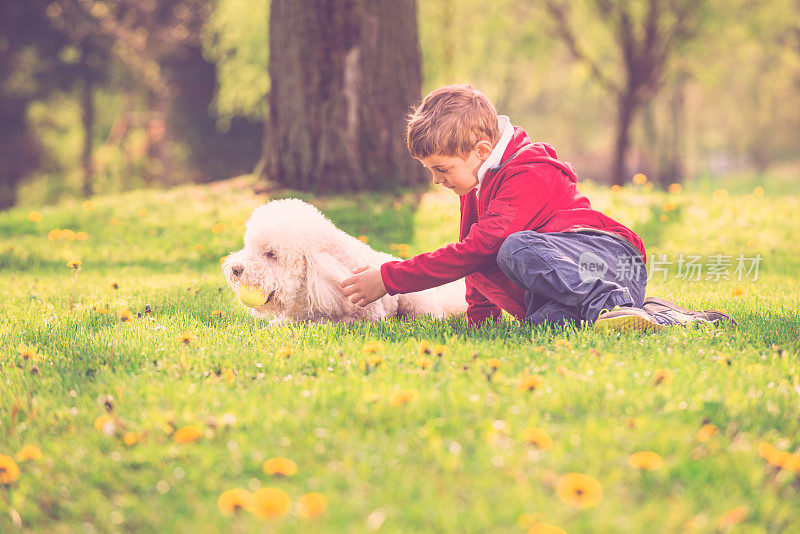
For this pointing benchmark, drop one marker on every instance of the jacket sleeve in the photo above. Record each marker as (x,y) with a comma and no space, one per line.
(479,309)
(518,204)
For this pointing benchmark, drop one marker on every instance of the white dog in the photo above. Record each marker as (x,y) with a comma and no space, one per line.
(294,260)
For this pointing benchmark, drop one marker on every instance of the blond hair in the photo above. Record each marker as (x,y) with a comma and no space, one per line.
(450,121)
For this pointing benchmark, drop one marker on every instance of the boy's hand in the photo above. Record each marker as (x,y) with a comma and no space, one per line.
(365,287)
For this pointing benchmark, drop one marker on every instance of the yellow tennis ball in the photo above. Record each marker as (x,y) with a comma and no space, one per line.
(252,296)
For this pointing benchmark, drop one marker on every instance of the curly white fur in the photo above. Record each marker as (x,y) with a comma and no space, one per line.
(299,258)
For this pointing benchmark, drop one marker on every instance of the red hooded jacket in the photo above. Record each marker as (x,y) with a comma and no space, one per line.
(529,190)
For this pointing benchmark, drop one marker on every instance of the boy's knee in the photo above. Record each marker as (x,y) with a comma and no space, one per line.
(511,245)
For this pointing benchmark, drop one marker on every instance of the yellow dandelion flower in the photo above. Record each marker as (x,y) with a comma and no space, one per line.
(578,490)
(737,292)
(88,205)
(9,470)
(68,234)
(114,221)
(403,396)
(284,352)
(538,437)
(101,311)
(233,500)
(526,521)
(216,313)
(662,376)
(765,450)
(27,353)
(720,195)
(792,463)
(29,453)
(187,338)
(125,317)
(669,206)
(271,503)
(228,376)
(616,188)
(563,371)
(363,238)
(311,504)
(545,528)
(199,247)
(772,455)
(371,347)
(219,228)
(494,363)
(374,360)
(675,188)
(439,350)
(280,467)
(758,191)
(424,347)
(706,432)
(34,216)
(141,212)
(105,424)
(187,434)
(737,515)
(663,218)
(74,264)
(54,234)
(639,178)
(82,236)
(530,382)
(425,363)
(645,460)
(562,343)
(131,438)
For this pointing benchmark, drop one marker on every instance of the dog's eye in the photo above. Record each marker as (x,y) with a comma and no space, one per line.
(269,254)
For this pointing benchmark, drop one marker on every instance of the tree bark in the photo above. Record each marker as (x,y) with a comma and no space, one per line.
(344,74)
(87,105)
(626,108)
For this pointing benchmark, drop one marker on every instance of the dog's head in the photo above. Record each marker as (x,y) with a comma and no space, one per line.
(285,262)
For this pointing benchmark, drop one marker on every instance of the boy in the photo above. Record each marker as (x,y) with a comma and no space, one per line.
(530,242)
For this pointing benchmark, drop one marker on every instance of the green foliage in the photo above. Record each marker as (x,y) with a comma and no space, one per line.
(453,459)
(236,40)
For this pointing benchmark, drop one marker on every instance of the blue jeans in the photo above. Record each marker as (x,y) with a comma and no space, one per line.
(572,276)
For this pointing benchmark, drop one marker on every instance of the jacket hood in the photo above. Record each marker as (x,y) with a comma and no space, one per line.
(528,152)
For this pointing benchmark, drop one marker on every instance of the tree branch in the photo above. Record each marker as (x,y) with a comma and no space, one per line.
(563,29)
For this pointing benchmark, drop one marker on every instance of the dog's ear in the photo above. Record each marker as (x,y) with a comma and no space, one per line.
(324,276)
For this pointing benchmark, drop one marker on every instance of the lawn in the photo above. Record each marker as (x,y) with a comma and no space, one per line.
(408,425)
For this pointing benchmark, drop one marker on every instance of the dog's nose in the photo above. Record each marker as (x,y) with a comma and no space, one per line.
(237,270)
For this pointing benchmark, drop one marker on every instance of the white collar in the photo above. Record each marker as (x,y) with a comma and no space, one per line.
(496,156)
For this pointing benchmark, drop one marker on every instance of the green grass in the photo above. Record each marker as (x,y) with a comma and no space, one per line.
(454,459)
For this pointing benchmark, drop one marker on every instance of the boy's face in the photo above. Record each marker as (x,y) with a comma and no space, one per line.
(458,173)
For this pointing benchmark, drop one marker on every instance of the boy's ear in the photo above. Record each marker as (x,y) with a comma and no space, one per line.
(483,148)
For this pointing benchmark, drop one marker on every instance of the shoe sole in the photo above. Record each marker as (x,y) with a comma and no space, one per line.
(671,305)
(626,323)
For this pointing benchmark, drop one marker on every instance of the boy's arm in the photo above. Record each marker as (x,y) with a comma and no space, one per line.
(519,204)
(479,309)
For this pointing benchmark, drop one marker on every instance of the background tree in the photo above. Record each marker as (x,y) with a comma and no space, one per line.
(647,33)
(338,101)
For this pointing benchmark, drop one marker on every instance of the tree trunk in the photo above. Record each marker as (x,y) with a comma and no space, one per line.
(87,108)
(626,108)
(159,164)
(344,74)
(672,166)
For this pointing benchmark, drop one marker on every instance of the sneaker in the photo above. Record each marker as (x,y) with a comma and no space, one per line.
(655,305)
(626,319)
